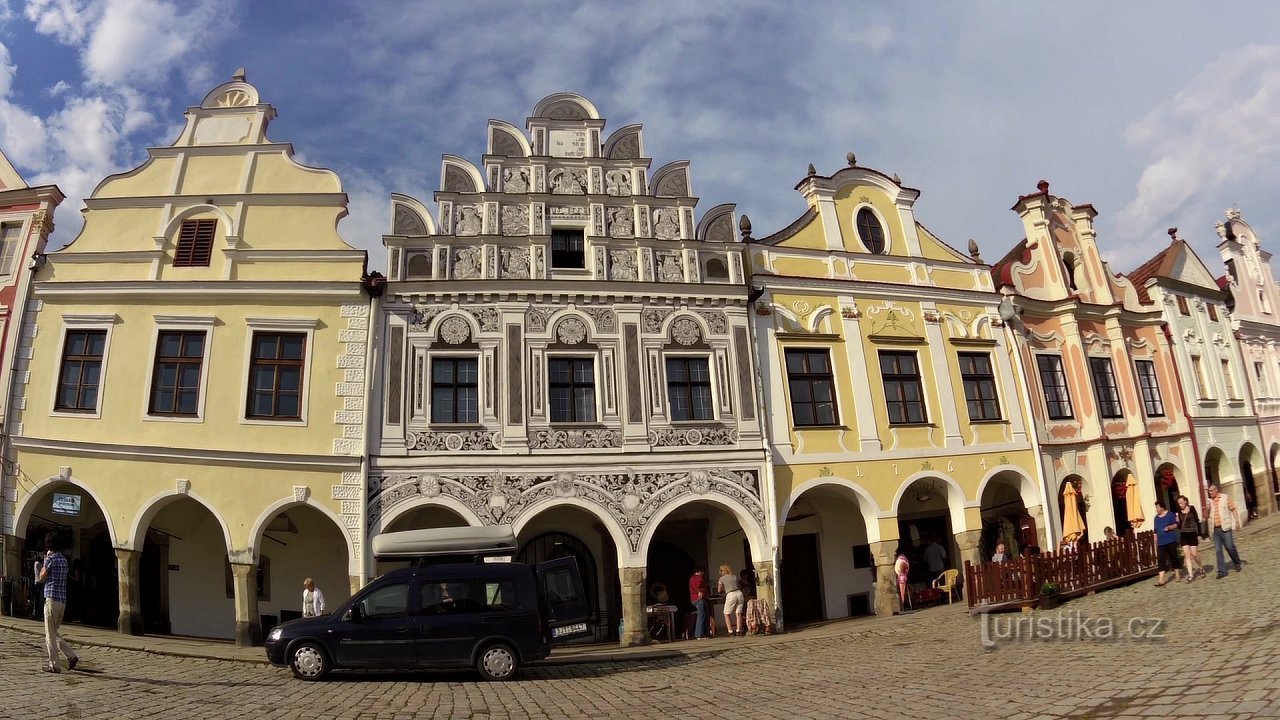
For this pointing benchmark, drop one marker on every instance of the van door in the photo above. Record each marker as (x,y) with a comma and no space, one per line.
(378,630)
(563,600)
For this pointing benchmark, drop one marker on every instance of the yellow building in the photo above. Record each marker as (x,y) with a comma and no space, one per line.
(897,412)
(193,417)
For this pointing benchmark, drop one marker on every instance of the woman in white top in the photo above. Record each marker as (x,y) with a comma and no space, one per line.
(312,599)
(734,604)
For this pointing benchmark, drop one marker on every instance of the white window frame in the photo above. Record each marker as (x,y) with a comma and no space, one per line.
(595,356)
(709,357)
(83,321)
(306,326)
(23,221)
(179,323)
(1204,390)
(588,251)
(830,350)
(429,371)
(1229,380)
(884,226)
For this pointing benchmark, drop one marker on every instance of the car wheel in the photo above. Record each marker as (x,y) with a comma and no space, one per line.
(308,662)
(497,662)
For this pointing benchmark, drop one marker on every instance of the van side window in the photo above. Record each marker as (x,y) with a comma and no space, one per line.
(448,598)
(386,602)
(501,595)
(559,589)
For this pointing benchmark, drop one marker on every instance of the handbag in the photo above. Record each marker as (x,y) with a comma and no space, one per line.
(1202,528)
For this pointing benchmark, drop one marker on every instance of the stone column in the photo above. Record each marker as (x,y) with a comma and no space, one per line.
(354,584)
(129,583)
(886,599)
(1042,533)
(248,623)
(766,590)
(635,622)
(968,541)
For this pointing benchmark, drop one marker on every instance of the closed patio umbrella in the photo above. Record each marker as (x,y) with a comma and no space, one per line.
(1134,502)
(1072,523)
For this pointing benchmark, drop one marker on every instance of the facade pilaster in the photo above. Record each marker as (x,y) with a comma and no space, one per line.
(129,570)
(635,619)
(248,624)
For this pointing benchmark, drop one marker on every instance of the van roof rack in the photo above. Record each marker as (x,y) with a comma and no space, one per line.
(478,542)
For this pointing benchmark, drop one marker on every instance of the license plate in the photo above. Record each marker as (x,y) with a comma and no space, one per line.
(568,630)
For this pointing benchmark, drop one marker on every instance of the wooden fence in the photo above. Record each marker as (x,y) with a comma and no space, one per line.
(1091,567)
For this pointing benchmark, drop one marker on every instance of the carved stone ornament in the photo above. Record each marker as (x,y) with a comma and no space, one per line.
(515,263)
(629,499)
(470,221)
(506,145)
(666,223)
(626,148)
(468,263)
(850,312)
(461,441)
(515,220)
(537,317)
(710,435)
(457,180)
(673,185)
(617,183)
(571,331)
(407,222)
(652,318)
(486,317)
(515,180)
(183,486)
(620,222)
(685,331)
(721,229)
(604,318)
(587,439)
(570,181)
(716,320)
(455,331)
(669,269)
(622,265)
(235,97)
(301,493)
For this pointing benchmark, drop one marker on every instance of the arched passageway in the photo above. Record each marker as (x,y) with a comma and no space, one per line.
(185,575)
(298,543)
(569,531)
(819,579)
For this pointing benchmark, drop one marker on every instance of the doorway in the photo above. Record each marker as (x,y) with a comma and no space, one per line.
(801,578)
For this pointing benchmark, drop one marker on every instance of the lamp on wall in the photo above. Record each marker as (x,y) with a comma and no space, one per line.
(38,260)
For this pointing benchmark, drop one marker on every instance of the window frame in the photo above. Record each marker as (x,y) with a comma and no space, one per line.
(1111,408)
(1203,391)
(430,388)
(192,260)
(1184,309)
(1260,373)
(810,377)
(1151,396)
(175,323)
(23,224)
(903,380)
(989,376)
(1064,399)
(254,325)
(581,234)
(1229,380)
(594,361)
(77,323)
(710,384)
(1212,310)
(885,239)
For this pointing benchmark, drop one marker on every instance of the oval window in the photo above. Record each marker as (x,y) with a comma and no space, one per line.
(870,231)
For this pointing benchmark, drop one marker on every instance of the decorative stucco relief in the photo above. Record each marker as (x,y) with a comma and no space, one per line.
(462,441)
(710,435)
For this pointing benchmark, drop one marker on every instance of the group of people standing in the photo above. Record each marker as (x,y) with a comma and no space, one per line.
(744,611)
(1185,529)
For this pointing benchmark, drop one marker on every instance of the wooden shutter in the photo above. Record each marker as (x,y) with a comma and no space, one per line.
(195,243)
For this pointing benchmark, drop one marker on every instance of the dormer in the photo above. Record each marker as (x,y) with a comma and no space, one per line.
(1059,258)
(230,114)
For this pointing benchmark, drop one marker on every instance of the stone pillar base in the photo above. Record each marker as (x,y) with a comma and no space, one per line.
(635,621)
(766,590)
(354,584)
(886,598)
(248,623)
(129,584)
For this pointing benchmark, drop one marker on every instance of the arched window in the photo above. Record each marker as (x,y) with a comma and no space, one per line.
(715,269)
(420,266)
(1069,269)
(870,231)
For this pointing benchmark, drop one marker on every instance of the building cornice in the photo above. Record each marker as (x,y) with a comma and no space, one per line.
(334,200)
(197,288)
(170,454)
(870,288)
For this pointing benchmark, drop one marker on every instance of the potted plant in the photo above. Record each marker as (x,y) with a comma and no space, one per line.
(1050,595)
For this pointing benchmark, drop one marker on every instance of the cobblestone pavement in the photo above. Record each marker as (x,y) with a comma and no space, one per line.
(1219,658)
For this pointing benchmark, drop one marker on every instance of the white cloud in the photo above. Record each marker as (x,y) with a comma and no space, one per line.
(67,20)
(138,42)
(59,88)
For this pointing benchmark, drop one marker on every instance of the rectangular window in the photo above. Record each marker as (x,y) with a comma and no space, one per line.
(1230,380)
(1104,387)
(195,243)
(80,377)
(1202,382)
(572,389)
(813,399)
(979,386)
(275,376)
(1262,379)
(175,380)
(1213,311)
(455,393)
(567,249)
(10,244)
(1182,305)
(903,391)
(689,388)
(1152,403)
(1057,398)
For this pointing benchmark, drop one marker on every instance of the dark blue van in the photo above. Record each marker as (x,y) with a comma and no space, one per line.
(456,608)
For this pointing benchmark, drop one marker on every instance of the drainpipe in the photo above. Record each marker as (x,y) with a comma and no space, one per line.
(1182,393)
(374,286)
(1048,500)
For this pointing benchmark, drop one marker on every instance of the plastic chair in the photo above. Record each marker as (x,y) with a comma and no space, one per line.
(946,582)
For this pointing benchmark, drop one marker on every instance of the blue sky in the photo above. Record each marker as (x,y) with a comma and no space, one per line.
(1157,113)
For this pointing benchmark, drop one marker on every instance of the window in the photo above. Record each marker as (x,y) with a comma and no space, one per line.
(1152,404)
(716,269)
(175,380)
(388,601)
(1263,302)
(689,389)
(1104,387)
(813,401)
(870,231)
(10,245)
(1202,383)
(195,243)
(902,388)
(979,386)
(1057,398)
(455,394)
(1230,380)
(1213,311)
(81,373)
(1182,305)
(572,389)
(467,596)
(1262,380)
(275,376)
(567,249)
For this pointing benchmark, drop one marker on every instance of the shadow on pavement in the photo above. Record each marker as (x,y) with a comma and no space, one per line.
(527,672)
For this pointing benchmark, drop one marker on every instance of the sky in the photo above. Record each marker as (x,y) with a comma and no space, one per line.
(1159,114)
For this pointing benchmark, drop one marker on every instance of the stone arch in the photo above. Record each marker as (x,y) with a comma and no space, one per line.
(956,499)
(1026,486)
(442,501)
(1214,466)
(625,143)
(156,503)
(671,180)
(437,325)
(565,106)
(866,503)
(668,323)
(410,217)
(27,506)
(597,511)
(506,140)
(555,323)
(459,175)
(228,226)
(717,224)
(287,503)
(752,526)
(419,266)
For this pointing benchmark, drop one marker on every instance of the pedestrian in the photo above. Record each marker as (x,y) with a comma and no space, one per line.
(1224,519)
(901,568)
(935,556)
(53,573)
(1189,537)
(734,604)
(699,589)
(312,599)
(1001,554)
(1166,539)
(1108,533)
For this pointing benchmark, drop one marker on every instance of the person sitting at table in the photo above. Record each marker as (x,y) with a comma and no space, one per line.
(1001,554)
